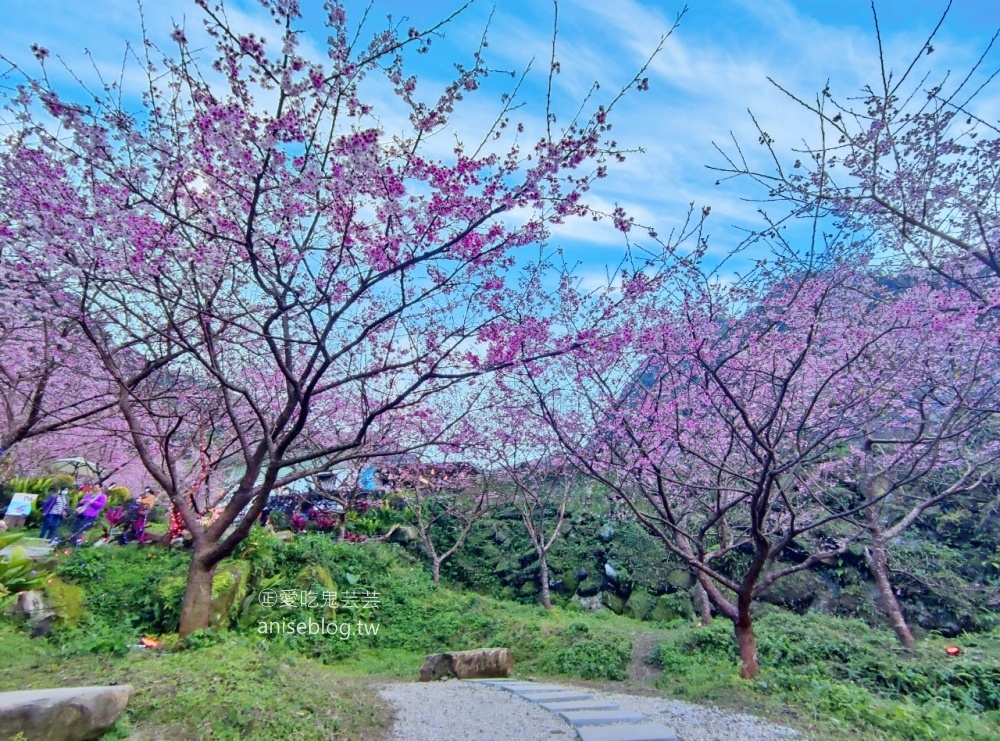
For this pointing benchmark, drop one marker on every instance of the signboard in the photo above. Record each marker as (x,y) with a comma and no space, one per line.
(20,505)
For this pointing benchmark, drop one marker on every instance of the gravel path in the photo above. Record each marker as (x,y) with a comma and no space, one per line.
(699,723)
(459,711)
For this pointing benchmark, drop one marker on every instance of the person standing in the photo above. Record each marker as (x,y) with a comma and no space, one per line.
(56,507)
(87,512)
(147,500)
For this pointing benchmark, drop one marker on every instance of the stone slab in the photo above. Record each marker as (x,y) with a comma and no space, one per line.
(558,707)
(601,717)
(532,688)
(564,696)
(66,713)
(636,732)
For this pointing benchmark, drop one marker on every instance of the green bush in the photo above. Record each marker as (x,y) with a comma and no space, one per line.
(118,496)
(851,672)
(121,582)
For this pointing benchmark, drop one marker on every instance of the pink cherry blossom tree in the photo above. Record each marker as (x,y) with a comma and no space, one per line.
(905,177)
(906,170)
(728,423)
(938,441)
(296,275)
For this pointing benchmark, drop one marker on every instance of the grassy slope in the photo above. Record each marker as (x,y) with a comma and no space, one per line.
(832,678)
(230,690)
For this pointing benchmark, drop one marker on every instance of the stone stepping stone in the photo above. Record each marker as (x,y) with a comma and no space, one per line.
(601,717)
(637,732)
(558,707)
(529,689)
(564,696)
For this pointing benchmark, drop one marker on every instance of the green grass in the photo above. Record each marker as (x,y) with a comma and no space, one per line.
(830,677)
(837,677)
(233,689)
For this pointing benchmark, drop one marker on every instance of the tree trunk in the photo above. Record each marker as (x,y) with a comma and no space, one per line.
(197,605)
(543,577)
(342,528)
(878,567)
(746,640)
(436,571)
(704,604)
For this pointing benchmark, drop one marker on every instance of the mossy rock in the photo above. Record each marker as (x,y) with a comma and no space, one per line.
(613,602)
(671,607)
(590,586)
(405,534)
(66,600)
(313,576)
(568,583)
(640,605)
(680,579)
(528,589)
(796,591)
(229,587)
(558,600)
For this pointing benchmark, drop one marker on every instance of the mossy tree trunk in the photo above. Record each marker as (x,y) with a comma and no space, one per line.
(197,604)
(877,558)
(704,603)
(746,640)
(543,577)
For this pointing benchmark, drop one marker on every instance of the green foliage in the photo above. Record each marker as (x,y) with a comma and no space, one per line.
(40,485)
(377,520)
(94,635)
(588,654)
(68,600)
(121,584)
(229,592)
(118,496)
(8,538)
(63,481)
(18,573)
(415,616)
(850,672)
(220,687)
(32,485)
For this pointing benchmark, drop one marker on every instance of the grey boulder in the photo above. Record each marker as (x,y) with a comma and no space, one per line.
(65,714)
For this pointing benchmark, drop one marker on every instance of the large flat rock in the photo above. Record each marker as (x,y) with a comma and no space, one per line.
(66,714)
(637,732)
(563,696)
(522,689)
(558,707)
(601,717)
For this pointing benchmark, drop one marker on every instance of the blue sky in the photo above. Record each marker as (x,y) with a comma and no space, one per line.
(711,72)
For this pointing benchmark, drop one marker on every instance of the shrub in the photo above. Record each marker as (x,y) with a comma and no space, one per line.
(121,582)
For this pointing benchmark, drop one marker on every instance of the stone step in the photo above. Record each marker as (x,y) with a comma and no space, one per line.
(533,688)
(637,732)
(490,680)
(557,707)
(564,696)
(601,717)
